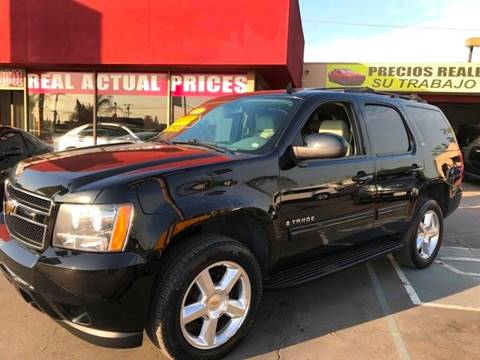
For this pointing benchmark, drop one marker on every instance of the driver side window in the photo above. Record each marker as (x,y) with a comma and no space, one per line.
(333,118)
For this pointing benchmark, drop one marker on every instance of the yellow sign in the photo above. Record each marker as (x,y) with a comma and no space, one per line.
(439,77)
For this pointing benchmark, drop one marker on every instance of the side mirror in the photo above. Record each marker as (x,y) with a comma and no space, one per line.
(13,151)
(321,146)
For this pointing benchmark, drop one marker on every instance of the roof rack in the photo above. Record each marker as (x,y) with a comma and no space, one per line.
(413,97)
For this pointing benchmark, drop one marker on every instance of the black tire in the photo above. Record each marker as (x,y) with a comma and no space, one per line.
(408,255)
(183,265)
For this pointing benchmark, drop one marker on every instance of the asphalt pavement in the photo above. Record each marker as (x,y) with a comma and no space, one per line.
(376,310)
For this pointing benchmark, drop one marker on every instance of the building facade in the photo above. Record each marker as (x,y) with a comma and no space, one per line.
(453,87)
(137,65)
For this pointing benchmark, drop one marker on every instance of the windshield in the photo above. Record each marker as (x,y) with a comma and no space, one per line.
(248,124)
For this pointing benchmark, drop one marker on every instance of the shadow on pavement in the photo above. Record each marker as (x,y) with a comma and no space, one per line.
(344,300)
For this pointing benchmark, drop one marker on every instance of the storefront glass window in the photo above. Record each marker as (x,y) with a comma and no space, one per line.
(60,103)
(191,90)
(131,106)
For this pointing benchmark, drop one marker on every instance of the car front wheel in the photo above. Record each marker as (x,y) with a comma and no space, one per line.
(206,298)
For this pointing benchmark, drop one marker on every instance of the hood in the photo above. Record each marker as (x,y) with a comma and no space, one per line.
(88,169)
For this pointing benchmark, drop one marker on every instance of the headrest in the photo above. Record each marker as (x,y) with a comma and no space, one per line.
(265,121)
(338,127)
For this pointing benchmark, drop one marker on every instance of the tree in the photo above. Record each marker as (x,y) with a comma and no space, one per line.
(104,104)
(82,114)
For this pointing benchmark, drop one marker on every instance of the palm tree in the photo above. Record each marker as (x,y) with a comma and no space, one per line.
(104,104)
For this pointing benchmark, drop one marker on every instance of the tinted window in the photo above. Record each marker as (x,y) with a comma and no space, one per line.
(386,130)
(111,131)
(434,127)
(88,131)
(11,139)
(33,143)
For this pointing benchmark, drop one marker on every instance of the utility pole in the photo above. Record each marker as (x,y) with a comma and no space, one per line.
(471,43)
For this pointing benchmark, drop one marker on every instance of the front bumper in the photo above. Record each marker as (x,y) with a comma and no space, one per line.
(101,298)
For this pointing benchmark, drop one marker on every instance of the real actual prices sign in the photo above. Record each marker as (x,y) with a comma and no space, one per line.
(438,77)
(137,83)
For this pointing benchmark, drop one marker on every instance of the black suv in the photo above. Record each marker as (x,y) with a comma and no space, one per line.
(179,236)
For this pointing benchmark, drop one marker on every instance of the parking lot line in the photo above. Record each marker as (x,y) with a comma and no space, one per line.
(455,270)
(392,324)
(458,248)
(416,299)
(469,207)
(406,283)
(453,258)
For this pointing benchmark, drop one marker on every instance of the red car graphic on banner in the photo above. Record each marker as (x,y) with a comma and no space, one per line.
(346,77)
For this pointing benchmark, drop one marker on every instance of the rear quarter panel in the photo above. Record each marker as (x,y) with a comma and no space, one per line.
(443,161)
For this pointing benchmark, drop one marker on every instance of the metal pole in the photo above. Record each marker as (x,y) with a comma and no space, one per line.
(12,110)
(470,53)
(95,107)
(26,124)
(169,100)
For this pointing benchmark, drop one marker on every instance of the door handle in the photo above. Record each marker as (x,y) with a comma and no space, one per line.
(416,169)
(362,177)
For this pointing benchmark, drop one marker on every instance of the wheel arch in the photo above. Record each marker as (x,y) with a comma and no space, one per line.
(438,191)
(248,226)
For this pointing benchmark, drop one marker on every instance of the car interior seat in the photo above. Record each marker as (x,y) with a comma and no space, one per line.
(340,128)
(266,124)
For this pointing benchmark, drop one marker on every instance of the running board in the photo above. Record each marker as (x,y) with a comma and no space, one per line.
(332,263)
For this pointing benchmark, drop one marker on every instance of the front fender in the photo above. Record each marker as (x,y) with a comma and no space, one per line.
(173,202)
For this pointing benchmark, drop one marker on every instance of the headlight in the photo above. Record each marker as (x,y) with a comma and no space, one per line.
(93,227)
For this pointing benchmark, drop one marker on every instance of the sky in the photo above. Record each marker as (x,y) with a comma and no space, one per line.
(424,30)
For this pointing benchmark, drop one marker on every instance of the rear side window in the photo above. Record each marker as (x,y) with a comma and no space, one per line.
(434,126)
(386,130)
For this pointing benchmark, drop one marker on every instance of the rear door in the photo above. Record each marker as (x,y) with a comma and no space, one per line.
(398,166)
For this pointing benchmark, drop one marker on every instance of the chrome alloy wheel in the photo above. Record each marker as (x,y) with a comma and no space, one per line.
(215,305)
(428,234)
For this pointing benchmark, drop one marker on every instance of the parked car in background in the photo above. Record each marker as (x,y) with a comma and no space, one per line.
(469,140)
(107,133)
(346,77)
(17,145)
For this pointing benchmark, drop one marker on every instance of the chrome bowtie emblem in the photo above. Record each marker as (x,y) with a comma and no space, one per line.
(10,205)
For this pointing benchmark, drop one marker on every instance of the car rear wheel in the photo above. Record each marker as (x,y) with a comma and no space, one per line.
(423,240)
(206,298)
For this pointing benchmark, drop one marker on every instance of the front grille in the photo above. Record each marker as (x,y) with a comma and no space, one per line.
(28,232)
(26,216)
(32,201)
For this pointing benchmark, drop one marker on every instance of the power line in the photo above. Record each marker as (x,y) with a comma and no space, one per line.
(329,22)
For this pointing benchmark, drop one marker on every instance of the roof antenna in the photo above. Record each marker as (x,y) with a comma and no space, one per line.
(290,89)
